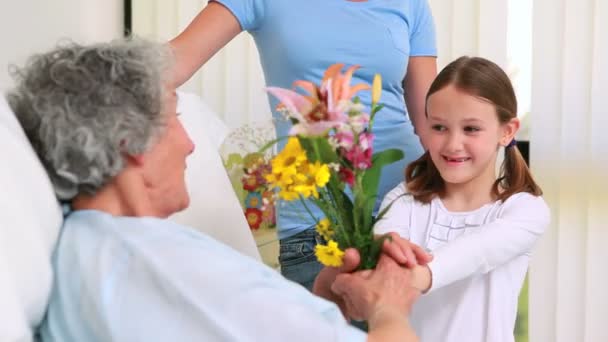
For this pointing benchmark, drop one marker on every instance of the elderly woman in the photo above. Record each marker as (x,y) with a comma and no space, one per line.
(109,136)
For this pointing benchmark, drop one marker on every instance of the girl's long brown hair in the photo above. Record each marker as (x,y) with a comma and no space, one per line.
(481,78)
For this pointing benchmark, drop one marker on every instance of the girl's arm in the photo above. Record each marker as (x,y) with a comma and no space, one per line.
(210,31)
(523,219)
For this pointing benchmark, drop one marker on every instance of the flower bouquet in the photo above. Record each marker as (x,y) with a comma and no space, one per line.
(328,160)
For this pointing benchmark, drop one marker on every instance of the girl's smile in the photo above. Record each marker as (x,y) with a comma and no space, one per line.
(455,161)
(464,137)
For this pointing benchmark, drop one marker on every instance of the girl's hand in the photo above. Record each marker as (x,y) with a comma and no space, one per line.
(404,252)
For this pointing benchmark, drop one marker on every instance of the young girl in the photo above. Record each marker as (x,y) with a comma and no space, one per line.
(480,227)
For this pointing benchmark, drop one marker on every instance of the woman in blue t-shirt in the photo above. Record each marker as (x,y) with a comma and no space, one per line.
(298,40)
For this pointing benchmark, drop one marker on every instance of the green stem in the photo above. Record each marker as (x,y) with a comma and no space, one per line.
(303,200)
(330,197)
(317,152)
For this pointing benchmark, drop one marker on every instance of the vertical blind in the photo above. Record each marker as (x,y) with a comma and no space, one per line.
(569,276)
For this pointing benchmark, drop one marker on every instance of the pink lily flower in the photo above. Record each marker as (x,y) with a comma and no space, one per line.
(312,117)
(320,111)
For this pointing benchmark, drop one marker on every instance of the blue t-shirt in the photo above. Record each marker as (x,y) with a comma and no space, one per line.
(299,39)
(149,279)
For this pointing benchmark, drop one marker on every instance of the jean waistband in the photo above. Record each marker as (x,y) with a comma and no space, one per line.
(307,234)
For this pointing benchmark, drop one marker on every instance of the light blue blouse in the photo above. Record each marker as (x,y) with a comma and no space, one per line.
(149,279)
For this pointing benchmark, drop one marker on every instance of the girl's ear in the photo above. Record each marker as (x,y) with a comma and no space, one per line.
(508,131)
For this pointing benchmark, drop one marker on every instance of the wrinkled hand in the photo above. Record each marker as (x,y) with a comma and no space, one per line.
(327,276)
(404,252)
(367,293)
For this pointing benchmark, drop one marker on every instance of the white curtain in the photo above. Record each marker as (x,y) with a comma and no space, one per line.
(569,276)
(471,27)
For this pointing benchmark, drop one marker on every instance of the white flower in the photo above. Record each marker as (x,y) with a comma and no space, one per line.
(333,142)
(334,166)
(358,123)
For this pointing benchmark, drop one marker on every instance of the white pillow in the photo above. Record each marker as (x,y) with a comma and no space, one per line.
(30,218)
(214,207)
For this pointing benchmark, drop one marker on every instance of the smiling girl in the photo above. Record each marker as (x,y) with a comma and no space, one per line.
(480,226)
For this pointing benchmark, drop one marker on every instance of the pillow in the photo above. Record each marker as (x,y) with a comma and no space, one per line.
(30,217)
(214,207)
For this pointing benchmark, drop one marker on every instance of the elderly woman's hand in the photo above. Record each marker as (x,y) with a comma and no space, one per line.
(402,251)
(373,294)
(325,278)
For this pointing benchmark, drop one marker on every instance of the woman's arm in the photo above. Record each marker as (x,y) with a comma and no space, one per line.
(387,326)
(210,31)
(421,72)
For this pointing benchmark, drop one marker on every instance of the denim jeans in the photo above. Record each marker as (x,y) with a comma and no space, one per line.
(297,257)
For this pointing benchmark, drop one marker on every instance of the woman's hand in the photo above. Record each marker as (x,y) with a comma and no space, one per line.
(402,251)
(372,294)
(327,276)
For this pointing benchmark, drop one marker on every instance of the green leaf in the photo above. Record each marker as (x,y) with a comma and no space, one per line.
(368,209)
(365,190)
(375,110)
(344,212)
(371,178)
(385,210)
(371,254)
(318,149)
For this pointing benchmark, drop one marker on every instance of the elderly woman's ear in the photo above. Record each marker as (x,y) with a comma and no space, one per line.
(134,159)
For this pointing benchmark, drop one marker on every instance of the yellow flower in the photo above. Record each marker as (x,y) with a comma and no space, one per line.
(279,180)
(329,255)
(321,174)
(290,157)
(285,168)
(306,190)
(376,88)
(309,177)
(294,175)
(324,229)
(288,193)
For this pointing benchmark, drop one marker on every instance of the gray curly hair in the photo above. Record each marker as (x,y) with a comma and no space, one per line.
(84,107)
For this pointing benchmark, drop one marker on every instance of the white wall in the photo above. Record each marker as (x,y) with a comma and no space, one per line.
(31,26)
